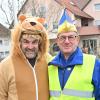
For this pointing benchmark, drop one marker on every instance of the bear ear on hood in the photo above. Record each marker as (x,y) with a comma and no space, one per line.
(41,20)
(21,18)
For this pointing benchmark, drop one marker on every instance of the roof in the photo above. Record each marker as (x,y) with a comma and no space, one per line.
(81,3)
(74,8)
(22,8)
(90,30)
(77,11)
(3,29)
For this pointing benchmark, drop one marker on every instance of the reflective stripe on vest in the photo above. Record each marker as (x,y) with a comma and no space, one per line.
(71,92)
(78,85)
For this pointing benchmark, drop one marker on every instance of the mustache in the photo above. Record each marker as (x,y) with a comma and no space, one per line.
(30,50)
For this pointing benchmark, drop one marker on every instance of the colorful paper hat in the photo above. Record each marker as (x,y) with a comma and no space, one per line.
(66,24)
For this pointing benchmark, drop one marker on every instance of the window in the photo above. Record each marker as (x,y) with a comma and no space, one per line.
(84,22)
(33,12)
(97,22)
(91,44)
(0,42)
(6,53)
(55,25)
(45,25)
(97,6)
(55,47)
(6,42)
(1,55)
(42,11)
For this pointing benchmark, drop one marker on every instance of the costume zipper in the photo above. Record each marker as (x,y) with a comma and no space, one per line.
(36,82)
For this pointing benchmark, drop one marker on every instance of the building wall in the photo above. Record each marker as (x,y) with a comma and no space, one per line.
(52,12)
(78,22)
(4,41)
(5,44)
(90,9)
(96,37)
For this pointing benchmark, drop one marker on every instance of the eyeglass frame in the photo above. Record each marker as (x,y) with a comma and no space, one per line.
(70,38)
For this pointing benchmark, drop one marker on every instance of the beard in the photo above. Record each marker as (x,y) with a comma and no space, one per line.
(30,53)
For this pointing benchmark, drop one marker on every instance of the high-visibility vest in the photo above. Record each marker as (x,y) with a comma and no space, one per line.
(49,57)
(78,86)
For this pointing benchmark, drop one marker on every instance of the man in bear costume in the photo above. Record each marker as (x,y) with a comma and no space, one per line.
(23,74)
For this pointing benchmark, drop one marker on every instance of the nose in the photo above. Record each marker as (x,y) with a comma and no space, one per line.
(30,46)
(66,40)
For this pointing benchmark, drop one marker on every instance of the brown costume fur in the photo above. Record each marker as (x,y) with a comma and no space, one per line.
(17,80)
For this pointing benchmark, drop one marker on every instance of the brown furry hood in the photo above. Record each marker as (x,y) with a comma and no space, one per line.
(31,25)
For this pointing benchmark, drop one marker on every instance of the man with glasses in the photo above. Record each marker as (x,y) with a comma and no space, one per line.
(73,75)
(24,73)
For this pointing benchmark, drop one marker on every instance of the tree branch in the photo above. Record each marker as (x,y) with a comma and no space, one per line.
(1,6)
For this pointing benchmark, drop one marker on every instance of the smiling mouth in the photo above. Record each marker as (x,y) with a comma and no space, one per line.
(66,46)
(30,52)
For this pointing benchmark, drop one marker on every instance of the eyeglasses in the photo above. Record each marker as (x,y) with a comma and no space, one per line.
(70,38)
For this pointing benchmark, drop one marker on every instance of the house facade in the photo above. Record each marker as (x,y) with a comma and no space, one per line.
(87,15)
(90,34)
(4,41)
(93,9)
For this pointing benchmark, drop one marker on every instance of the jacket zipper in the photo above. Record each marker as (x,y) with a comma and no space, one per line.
(63,78)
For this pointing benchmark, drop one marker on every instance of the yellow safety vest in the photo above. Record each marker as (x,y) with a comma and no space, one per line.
(78,86)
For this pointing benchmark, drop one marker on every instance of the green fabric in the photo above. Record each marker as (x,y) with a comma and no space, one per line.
(79,80)
(49,57)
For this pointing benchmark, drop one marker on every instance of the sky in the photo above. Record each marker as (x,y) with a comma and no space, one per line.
(6,8)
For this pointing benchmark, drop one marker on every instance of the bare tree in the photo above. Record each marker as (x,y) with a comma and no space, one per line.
(9,9)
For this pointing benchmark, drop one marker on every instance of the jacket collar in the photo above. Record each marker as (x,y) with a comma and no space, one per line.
(75,58)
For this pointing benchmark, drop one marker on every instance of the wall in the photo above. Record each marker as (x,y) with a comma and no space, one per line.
(97,37)
(90,9)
